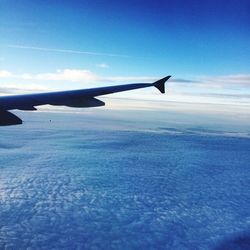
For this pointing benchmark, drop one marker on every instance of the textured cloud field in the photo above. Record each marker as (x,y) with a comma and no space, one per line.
(87,182)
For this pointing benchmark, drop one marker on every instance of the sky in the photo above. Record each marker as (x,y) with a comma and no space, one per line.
(57,45)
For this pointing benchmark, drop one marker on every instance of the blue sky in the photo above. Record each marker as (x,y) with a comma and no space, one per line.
(203,44)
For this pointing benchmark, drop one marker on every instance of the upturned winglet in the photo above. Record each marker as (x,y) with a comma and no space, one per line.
(160,84)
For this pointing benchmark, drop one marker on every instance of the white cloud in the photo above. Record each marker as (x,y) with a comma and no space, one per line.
(74,75)
(5,74)
(103,65)
(25,76)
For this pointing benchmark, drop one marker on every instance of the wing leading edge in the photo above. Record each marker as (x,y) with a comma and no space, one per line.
(83,98)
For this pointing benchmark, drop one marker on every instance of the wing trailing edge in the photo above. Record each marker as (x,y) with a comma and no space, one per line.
(88,102)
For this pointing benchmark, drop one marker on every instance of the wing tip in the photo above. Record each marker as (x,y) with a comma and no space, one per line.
(160,84)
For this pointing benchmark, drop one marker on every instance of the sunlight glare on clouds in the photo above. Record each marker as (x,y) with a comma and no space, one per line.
(5,74)
(74,75)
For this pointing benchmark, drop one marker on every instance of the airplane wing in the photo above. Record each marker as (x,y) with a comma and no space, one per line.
(83,98)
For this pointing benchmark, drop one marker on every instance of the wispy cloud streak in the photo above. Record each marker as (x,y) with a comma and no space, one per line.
(65,51)
(103,65)
(241,79)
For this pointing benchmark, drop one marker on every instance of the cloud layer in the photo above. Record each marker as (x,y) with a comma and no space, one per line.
(203,89)
(76,75)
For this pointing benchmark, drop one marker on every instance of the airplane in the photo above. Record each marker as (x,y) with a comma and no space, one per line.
(82,98)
